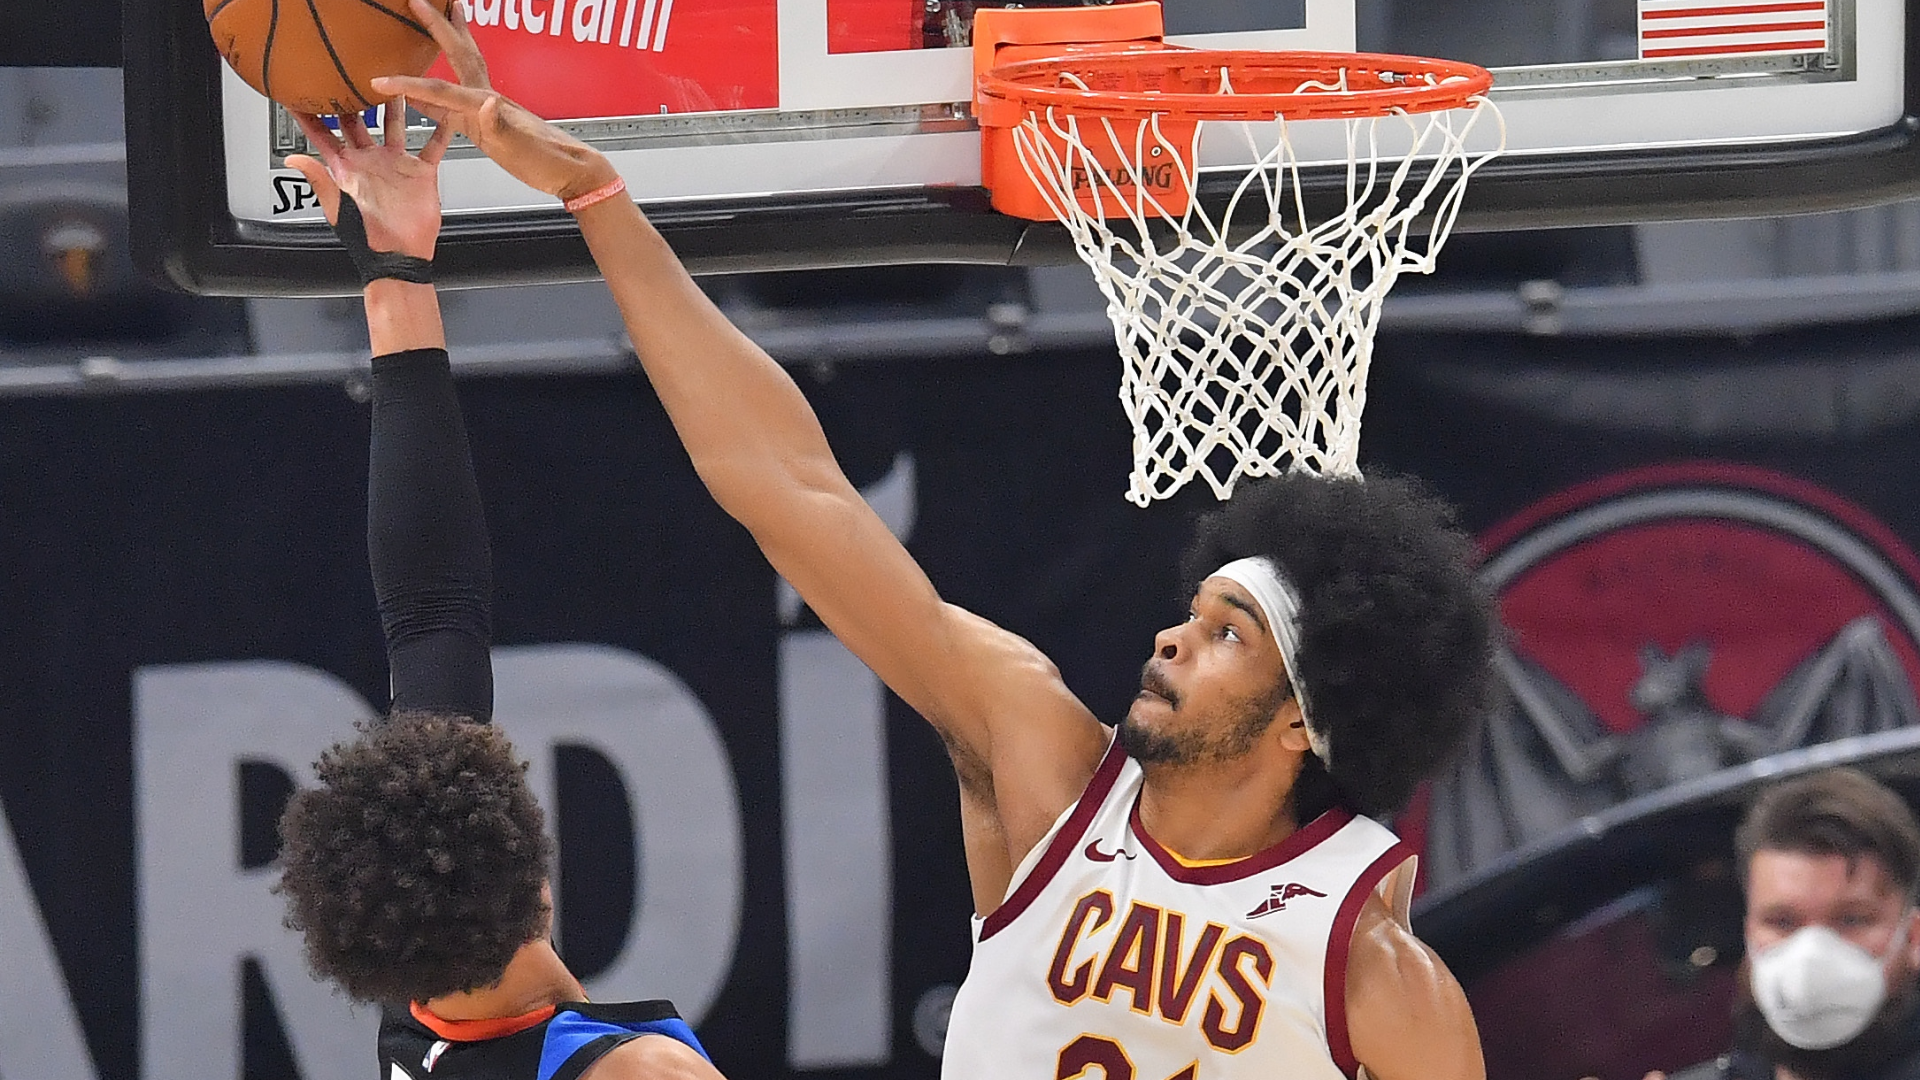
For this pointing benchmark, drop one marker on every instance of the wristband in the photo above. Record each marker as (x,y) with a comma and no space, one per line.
(599,194)
(373,265)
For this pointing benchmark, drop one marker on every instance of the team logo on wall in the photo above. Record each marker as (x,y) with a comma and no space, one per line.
(1666,623)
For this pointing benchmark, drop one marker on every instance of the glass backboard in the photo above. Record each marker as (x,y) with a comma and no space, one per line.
(781,134)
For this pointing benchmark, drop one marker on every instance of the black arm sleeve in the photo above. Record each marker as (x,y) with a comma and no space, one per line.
(427,540)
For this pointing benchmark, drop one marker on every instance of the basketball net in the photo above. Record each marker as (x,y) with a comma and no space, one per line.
(1247,354)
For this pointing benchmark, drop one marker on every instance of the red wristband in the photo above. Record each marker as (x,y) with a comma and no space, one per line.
(599,194)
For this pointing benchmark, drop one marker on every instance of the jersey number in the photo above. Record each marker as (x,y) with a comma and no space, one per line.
(1092,1051)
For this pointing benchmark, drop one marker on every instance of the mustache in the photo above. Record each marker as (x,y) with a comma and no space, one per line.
(1153,682)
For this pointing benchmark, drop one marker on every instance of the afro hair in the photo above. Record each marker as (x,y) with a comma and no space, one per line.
(1396,629)
(417,867)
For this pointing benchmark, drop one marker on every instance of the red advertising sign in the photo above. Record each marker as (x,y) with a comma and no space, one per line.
(857,26)
(585,59)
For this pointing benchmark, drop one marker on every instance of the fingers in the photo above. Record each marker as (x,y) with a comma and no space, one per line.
(432,93)
(436,147)
(440,24)
(354,130)
(320,137)
(315,172)
(394,125)
(323,186)
(471,63)
(451,33)
(438,116)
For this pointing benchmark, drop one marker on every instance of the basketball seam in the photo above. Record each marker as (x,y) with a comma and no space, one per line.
(385,10)
(320,26)
(266,51)
(217,9)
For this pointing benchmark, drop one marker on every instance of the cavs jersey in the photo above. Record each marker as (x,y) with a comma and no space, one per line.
(555,1043)
(1113,958)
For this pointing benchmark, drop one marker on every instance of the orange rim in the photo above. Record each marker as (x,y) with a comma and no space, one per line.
(1134,84)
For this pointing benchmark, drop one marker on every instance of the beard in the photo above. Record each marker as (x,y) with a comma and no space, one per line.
(1886,1037)
(1244,720)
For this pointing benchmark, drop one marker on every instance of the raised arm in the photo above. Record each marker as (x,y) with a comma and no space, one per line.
(1024,745)
(426,536)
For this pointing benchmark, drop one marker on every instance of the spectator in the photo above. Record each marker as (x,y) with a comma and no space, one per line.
(1830,864)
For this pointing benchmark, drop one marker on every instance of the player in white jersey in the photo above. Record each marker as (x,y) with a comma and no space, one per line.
(1322,679)
(1135,937)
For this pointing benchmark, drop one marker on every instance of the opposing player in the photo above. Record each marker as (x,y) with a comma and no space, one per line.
(418,869)
(1196,897)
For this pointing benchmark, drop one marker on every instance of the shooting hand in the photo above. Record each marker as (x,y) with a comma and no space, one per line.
(398,193)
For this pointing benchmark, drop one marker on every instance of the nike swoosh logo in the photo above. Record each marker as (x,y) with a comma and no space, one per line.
(1093,852)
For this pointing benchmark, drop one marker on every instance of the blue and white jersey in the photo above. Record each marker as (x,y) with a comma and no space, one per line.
(556,1043)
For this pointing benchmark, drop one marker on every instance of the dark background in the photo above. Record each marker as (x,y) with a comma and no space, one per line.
(82,34)
(140,529)
(218,525)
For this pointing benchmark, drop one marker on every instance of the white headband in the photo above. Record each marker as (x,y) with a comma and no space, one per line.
(1281,605)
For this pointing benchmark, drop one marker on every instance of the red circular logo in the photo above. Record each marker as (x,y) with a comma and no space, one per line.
(1662,624)
(1758,570)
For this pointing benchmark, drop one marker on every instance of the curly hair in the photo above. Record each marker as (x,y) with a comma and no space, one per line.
(417,867)
(1396,630)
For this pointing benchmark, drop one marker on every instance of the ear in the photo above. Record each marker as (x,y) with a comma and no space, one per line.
(1292,727)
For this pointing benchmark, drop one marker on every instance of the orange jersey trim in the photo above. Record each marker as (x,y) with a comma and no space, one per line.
(1184,861)
(493,1027)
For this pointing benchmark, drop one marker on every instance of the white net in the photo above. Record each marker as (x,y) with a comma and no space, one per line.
(1247,335)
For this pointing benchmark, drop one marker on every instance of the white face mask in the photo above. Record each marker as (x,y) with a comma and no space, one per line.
(1818,990)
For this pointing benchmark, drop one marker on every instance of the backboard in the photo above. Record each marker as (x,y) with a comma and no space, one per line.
(779,134)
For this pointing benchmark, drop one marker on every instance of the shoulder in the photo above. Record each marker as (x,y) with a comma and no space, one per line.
(1407,1015)
(610,1040)
(1386,962)
(652,1057)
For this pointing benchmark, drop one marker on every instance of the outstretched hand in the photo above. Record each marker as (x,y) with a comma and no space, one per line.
(398,193)
(534,151)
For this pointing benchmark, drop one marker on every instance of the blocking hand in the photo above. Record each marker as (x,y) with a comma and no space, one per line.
(534,151)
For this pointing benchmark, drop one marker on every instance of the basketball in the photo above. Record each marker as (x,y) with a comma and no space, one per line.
(320,56)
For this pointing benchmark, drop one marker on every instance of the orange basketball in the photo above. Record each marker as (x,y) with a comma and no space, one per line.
(321,56)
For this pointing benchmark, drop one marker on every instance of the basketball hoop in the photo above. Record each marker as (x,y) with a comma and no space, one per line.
(1246,324)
